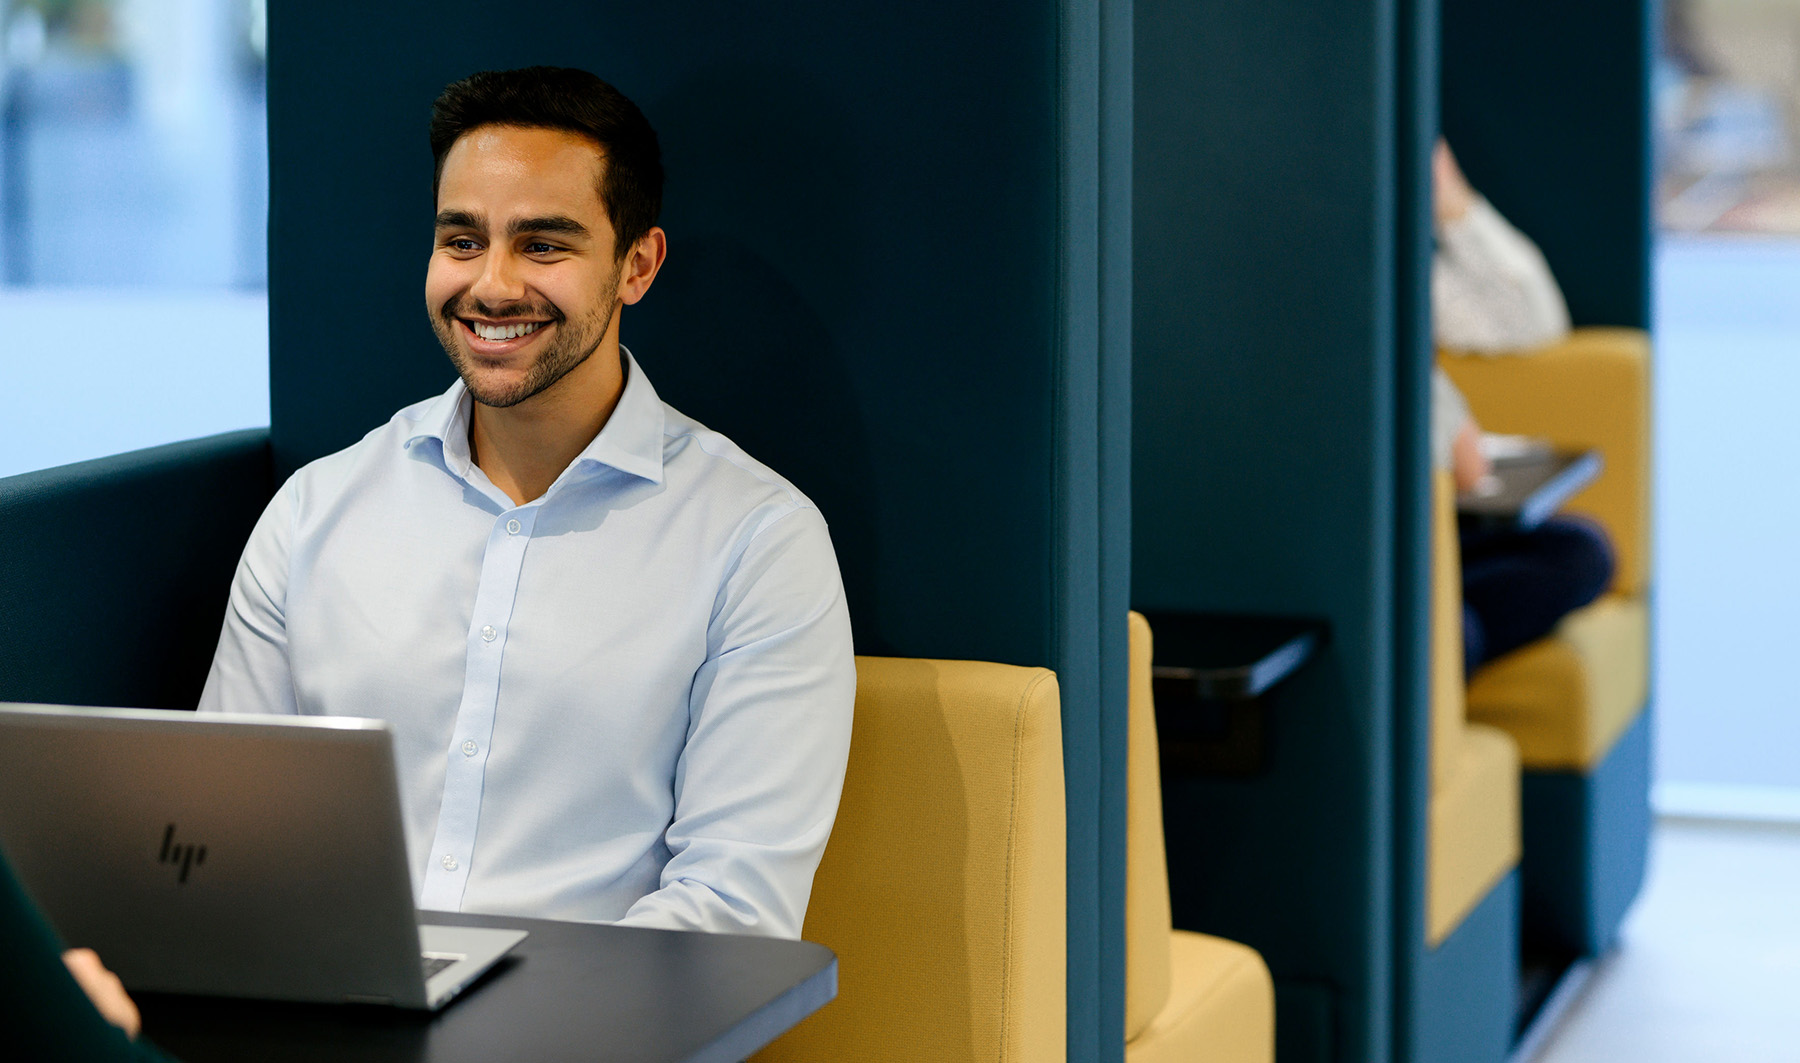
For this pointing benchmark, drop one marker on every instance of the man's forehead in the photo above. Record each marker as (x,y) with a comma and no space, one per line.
(551,167)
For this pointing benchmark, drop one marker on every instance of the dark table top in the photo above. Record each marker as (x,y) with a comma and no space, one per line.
(569,991)
(1230,656)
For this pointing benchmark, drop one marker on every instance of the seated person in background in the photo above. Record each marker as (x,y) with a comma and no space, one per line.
(1492,293)
(56,1004)
(613,647)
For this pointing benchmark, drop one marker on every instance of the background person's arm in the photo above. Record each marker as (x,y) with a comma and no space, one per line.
(44,1011)
(757,785)
(250,670)
(104,990)
(1455,437)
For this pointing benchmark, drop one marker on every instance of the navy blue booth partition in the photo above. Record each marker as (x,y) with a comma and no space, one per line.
(1268,472)
(898,274)
(1281,356)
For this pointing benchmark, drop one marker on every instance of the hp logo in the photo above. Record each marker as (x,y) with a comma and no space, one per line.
(186,856)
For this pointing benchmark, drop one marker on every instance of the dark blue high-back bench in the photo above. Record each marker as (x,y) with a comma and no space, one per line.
(898,274)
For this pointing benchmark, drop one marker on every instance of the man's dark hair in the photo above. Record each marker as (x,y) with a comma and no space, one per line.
(574,101)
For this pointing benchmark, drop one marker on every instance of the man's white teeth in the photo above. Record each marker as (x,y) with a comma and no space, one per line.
(504,332)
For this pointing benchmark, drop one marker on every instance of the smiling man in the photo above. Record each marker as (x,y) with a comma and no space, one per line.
(613,646)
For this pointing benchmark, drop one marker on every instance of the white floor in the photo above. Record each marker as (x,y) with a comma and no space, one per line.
(1708,969)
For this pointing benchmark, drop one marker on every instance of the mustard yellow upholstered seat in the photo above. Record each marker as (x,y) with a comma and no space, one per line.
(1473,821)
(1567,699)
(942,889)
(1189,997)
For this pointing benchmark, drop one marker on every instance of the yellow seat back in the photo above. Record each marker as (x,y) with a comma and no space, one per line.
(1449,711)
(942,890)
(1592,390)
(1147,921)
(1473,837)
(1188,996)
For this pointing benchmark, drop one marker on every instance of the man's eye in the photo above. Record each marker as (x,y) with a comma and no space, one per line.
(462,243)
(538,247)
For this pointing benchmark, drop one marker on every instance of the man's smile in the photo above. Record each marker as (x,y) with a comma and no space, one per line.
(494,338)
(504,332)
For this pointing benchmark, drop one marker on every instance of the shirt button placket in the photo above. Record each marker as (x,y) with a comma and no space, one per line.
(460,810)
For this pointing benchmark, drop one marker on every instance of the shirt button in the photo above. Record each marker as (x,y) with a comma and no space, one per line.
(512,527)
(449,862)
(488,633)
(469,748)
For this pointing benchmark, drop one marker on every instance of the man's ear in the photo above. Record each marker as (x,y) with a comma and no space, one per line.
(641,264)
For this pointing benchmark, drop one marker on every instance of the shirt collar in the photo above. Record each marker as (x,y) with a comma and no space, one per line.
(630,441)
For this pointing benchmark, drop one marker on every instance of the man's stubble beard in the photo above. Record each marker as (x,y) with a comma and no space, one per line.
(568,349)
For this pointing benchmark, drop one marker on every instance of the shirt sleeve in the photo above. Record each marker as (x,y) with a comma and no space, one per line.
(757,785)
(1449,413)
(1491,290)
(250,669)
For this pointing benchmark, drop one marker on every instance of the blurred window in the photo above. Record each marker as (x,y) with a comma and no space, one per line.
(133,207)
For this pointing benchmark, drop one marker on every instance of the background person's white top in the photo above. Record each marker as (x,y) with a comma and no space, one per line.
(1491,290)
(1491,293)
(627,700)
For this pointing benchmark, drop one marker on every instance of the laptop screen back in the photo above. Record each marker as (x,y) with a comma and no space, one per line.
(192,851)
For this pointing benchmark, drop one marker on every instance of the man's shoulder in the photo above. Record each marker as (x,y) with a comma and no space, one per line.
(709,459)
(387,441)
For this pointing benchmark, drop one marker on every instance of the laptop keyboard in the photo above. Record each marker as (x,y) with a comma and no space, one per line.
(434,964)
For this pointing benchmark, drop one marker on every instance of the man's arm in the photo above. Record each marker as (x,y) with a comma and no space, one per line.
(250,670)
(757,786)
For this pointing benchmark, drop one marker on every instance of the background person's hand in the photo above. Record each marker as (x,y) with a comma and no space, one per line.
(1468,465)
(104,989)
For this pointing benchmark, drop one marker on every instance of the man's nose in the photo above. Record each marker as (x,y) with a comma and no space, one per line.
(500,281)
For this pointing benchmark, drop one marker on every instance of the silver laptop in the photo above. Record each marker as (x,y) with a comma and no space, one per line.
(248,856)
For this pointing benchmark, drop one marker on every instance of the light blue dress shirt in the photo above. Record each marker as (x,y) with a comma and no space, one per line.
(627,700)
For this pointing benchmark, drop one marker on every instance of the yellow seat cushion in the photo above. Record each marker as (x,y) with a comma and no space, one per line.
(942,890)
(1568,697)
(1591,390)
(1221,1008)
(1448,712)
(1474,834)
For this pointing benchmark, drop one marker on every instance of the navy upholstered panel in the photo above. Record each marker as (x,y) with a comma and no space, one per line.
(1467,987)
(1587,842)
(1267,398)
(115,571)
(887,226)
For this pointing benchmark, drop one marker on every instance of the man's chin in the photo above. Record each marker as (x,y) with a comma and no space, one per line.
(499,391)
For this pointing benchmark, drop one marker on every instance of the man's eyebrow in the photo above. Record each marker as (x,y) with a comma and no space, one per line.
(549,223)
(459,219)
